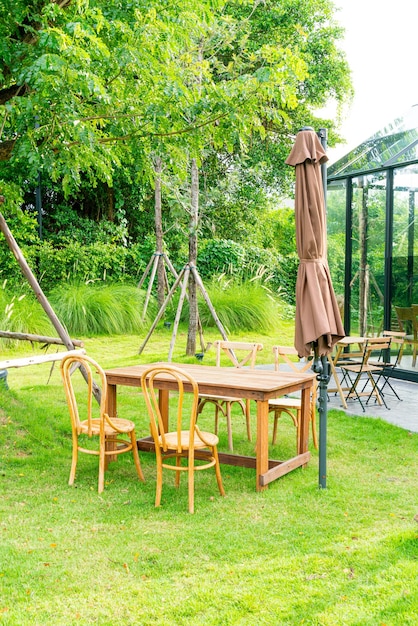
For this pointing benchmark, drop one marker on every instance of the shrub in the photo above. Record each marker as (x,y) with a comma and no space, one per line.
(98,261)
(240,305)
(220,255)
(99,309)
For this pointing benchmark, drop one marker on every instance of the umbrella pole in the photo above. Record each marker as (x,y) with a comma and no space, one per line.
(321,367)
(325,374)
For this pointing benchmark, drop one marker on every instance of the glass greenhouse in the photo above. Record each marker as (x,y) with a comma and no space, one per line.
(372,197)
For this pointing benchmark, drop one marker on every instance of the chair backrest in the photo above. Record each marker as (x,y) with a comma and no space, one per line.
(397,337)
(376,345)
(405,317)
(80,399)
(186,415)
(414,308)
(283,354)
(247,351)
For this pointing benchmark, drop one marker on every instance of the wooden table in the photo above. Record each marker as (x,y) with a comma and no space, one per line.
(339,357)
(257,385)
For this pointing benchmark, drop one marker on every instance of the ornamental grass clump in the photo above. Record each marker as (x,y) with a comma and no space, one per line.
(241,305)
(22,313)
(91,309)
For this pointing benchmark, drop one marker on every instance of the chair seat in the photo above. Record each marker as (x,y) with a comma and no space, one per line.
(362,368)
(221,398)
(291,403)
(123,426)
(171,440)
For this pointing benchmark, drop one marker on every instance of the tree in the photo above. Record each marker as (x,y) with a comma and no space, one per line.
(90,90)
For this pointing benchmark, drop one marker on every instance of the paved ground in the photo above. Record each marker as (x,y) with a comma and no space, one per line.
(403,413)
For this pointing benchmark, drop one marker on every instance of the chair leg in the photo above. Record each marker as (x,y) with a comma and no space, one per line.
(191,481)
(248,418)
(102,458)
(216,418)
(276,419)
(229,426)
(178,473)
(73,462)
(136,457)
(159,486)
(386,379)
(218,471)
(375,391)
(353,393)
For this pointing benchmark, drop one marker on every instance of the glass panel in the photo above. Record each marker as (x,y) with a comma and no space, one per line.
(336,203)
(368,261)
(405,258)
(396,143)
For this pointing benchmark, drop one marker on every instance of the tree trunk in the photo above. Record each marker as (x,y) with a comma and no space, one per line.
(159,233)
(193,310)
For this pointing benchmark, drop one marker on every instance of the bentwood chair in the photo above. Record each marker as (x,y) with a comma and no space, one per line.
(241,354)
(89,420)
(290,405)
(187,440)
(355,372)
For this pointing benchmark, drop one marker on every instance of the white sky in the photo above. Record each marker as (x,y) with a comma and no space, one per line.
(382,50)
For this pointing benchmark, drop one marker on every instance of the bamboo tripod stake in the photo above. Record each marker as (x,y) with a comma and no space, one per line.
(185,275)
(42,299)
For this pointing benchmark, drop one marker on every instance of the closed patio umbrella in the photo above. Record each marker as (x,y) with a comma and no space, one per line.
(318,323)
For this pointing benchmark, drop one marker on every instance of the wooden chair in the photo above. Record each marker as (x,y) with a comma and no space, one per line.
(408,324)
(387,367)
(248,354)
(96,422)
(292,406)
(355,372)
(187,440)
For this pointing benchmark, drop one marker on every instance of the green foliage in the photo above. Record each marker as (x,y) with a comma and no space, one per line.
(98,261)
(219,255)
(98,309)
(241,305)
(23,314)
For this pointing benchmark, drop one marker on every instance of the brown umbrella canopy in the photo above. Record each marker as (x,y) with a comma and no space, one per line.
(317,314)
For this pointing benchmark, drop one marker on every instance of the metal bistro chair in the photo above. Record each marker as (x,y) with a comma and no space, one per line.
(96,423)
(292,406)
(187,440)
(248,354)
(355,372)
(387,367)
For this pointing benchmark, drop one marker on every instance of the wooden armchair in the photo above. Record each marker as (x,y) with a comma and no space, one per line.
(240,354)
(96,423)
(408,324)
(292,406)
(187,440)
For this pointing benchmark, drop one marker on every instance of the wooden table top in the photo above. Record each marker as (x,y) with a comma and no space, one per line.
(239,382)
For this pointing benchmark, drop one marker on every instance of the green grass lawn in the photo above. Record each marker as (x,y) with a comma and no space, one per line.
(293,554)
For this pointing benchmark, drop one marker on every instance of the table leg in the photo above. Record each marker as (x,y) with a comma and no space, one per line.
(305,417)
(262,445)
